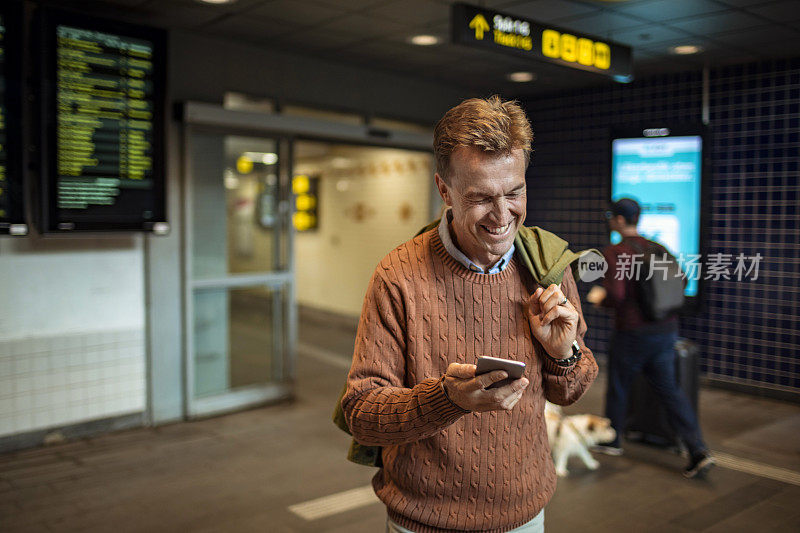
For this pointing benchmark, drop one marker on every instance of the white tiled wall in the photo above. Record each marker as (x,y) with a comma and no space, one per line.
(71,331)
(65,379)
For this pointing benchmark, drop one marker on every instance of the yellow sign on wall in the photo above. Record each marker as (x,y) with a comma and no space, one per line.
(305,189)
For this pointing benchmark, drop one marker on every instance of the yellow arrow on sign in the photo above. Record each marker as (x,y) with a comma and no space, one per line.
(479,24)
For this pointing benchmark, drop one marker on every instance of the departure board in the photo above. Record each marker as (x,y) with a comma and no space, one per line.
(106,105)
(12,209)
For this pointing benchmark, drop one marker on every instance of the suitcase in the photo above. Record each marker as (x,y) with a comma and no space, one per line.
(647,420)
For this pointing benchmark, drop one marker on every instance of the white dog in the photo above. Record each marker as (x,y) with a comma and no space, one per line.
(573,435)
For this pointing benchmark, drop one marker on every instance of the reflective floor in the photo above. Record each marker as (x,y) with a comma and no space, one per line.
(262,470)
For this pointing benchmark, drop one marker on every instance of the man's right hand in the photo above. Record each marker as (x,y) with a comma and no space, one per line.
(469,392)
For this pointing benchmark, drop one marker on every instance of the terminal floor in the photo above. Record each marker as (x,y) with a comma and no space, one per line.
(242,472)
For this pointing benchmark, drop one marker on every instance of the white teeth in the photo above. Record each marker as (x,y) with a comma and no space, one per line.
(497,231)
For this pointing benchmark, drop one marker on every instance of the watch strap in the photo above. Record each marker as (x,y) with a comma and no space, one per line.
(571,360)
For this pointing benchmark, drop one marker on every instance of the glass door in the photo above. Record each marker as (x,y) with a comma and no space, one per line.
(239,292)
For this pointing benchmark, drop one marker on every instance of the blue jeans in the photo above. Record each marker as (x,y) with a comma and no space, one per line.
(633,353)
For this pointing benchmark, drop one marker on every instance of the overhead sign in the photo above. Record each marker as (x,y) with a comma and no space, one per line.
(489,29)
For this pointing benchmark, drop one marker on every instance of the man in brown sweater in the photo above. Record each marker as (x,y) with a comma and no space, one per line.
(458,456)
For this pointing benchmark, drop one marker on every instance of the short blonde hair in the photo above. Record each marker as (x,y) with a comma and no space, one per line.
(490,124)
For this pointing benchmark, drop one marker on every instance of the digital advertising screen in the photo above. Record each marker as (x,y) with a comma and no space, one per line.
(12,204)
(662,169)
(104,123)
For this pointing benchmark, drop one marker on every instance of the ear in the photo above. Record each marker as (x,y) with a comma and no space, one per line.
(598,421)
(444,190)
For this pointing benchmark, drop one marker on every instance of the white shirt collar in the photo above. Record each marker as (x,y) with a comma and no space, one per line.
(458,255)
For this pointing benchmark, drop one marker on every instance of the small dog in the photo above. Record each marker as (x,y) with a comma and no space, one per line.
(573,435)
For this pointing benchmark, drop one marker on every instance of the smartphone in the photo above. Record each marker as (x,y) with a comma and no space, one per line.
(514,369)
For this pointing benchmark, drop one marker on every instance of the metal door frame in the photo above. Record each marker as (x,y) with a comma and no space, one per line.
(284,318)
(211,118)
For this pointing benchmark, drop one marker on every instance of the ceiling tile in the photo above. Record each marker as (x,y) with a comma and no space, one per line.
(181,16)
(319,39)
(441,53)
(397,53)
(383,51)
(301,14)
(419,13)
(441,28)
(741,3)
(404,38)
(163,15)
(129,3)
(752,37)
(365,27)
(646,35)
(782,11)
(246,28)
(602,24)
(350,5)
(491,4)
(710,24)
(475,58)
(660,10)
(549,11)
(642,56)
(219,9)
(663,47)
(663,54)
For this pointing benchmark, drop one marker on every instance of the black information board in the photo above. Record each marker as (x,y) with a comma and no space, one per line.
(490,29)
(12,205)
(104,123)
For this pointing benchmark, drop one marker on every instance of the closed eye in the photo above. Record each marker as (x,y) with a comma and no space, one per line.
(479,200)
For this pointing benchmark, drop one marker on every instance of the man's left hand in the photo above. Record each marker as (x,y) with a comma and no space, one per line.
(554,326)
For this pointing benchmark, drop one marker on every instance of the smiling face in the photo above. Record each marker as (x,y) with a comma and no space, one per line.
(487,196)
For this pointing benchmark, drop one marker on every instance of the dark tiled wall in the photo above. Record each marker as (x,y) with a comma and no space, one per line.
(748,331)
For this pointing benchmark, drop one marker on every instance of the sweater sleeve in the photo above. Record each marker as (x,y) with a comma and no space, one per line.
(380,409)
(565,385)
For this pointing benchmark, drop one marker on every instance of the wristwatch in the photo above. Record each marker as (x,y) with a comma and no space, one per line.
(572,359)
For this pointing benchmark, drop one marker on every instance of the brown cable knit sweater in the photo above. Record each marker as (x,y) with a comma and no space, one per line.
(445,468)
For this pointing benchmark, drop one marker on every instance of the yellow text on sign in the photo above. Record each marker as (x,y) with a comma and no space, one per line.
(576,49)
(512,40)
